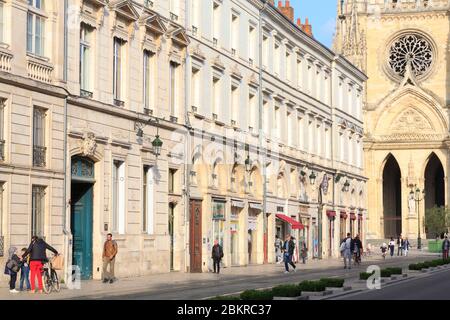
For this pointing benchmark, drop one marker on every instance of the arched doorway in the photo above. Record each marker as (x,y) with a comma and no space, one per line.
(392,199)
(82,194)
(434,185)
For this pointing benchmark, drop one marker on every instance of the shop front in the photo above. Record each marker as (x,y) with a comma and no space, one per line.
(255,234)
(293,228)
(315,237)
(331,218)
(343,226)
(218,211)
(352,224)
(235,229)
(360,226)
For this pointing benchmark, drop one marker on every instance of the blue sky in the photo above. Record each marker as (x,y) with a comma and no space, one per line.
(322,16)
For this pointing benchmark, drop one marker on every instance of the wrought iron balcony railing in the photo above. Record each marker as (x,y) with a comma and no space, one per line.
(39,155)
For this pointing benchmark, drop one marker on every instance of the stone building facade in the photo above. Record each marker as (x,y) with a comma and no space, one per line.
(403,48)
(251,147)
(289,116)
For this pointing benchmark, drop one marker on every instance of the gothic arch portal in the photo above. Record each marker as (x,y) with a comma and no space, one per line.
(392,199)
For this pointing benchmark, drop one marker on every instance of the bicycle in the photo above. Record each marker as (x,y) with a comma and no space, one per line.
(50,278)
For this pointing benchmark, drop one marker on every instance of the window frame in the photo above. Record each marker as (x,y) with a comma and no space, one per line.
(36,14)
(36,223)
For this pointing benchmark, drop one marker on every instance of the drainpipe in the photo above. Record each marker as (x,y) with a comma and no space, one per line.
(187,148)
(65,231)
(261,135)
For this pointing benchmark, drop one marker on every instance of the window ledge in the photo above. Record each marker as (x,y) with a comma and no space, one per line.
(39,59)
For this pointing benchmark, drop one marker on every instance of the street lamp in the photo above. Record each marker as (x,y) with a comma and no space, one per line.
(418,199)
(312,178)
(248,164)
(346,186)
(157,145)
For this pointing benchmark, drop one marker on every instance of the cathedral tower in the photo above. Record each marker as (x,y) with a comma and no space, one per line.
(403,46)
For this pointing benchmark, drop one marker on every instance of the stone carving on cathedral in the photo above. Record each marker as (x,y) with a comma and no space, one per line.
(411,121)
(89,145)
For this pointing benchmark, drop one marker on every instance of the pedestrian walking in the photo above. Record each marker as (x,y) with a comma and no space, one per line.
(346,249)
(392,246)
(38,256)
(304,252)
(216,255)
(25,271)
(12,267)
(384,248)
(406,246)
(288,250)
(400,246)
(278,246)
(357,249)
(445,248)
(110,249)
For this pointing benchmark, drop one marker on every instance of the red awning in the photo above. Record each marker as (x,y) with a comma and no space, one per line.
(360,216)
(352,216)
(331,213)
(294,223)
(344,215)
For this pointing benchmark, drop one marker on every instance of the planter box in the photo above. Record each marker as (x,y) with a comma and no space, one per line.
(291,298)
(317,294)
(336,290)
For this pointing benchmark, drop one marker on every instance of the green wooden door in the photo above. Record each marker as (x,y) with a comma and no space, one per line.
(82,228)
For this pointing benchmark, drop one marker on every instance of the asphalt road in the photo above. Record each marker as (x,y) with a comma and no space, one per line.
(433,287)
(210,288)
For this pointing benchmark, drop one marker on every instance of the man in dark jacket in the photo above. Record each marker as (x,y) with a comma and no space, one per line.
(357,249)
(217,255)
(37,251)
(288,249)
(445,248)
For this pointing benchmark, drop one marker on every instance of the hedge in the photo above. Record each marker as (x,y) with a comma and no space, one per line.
(333,282)
(312,286)
(365,275)
(257,295)
(288,290)
(395,270)
(385,273)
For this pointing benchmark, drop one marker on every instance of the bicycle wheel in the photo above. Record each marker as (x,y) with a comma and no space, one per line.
(55,281)
(46,282)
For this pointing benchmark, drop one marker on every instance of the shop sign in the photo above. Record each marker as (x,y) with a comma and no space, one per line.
(304,210)
(218,210)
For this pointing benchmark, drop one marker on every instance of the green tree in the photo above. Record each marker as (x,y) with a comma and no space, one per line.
(437,221)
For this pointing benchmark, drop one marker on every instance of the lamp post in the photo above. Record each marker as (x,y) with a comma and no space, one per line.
(157,143)
(418,199)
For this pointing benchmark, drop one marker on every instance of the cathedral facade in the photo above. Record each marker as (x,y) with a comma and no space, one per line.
(403,47)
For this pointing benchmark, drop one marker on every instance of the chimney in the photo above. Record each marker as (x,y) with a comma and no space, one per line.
(307,28)
(286,10)
(299,23)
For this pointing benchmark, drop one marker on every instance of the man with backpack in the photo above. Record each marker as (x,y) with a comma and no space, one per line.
(347,247)
(445,248)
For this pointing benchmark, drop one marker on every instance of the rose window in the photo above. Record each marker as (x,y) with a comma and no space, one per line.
(411,49)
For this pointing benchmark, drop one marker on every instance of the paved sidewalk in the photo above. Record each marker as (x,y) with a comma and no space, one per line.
(177,282)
